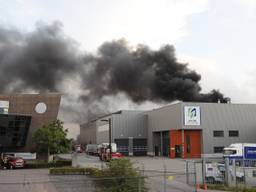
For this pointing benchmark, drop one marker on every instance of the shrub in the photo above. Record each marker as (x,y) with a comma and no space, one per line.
(67,171)
(119,175)
(94,172)
(44,164)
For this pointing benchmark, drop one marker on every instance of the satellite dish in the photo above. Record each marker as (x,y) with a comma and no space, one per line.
(41,108)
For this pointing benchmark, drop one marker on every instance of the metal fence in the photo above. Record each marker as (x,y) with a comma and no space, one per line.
(238,173)
(155,181)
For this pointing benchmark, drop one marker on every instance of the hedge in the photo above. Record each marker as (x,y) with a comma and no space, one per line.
(74,171)
(43,164)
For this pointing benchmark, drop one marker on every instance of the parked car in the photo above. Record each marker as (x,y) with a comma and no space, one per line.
(215,173)
(11,162)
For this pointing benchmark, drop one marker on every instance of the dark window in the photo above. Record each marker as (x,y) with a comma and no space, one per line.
(218,133)
(12,127)
(2,131)
(233,133)
(218,149)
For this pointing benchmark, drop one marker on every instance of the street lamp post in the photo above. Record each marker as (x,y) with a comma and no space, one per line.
(109,132)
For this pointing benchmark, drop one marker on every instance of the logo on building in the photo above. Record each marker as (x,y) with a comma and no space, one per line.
(192,115)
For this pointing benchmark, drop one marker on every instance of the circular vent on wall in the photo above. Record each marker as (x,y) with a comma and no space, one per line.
(40,108)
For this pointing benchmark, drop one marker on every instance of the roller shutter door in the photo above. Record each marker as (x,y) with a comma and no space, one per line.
(122,146)
(139,147)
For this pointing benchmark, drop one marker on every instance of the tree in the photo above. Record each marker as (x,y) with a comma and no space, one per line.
(119,176)
(51,138)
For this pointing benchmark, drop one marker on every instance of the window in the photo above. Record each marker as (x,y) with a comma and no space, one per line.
(218,149)
(233,133)
(2,131)
(218,133)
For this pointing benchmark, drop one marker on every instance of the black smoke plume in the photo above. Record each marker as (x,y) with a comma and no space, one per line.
(143,74)
(45,59)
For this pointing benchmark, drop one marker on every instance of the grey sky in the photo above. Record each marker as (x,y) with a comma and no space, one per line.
(215,37)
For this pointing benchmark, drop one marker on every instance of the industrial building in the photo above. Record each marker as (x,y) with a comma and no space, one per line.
(21,115)
(179,130)
(128,131)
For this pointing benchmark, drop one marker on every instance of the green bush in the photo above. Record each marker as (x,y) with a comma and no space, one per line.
(226,188)
(44,164)
(92,171)
(119,175)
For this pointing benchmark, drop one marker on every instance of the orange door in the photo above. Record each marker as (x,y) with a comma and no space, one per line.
(175,142)
(192,144)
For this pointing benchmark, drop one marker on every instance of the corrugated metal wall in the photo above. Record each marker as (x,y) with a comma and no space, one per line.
(103,136)
(163,119)
(216,116)
(129,124)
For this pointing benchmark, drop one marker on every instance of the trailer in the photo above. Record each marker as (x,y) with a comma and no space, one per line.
(243,153)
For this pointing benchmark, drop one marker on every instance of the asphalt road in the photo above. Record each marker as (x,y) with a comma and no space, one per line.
(38,180)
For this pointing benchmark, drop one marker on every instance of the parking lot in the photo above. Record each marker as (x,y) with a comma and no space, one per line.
(153,167)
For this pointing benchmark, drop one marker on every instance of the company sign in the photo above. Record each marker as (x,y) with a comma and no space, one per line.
(192,115)
(4,107)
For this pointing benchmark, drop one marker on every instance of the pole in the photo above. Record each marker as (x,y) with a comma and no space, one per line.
(164,177)
(187,173)
(204,169)
(195,180)
(110,139)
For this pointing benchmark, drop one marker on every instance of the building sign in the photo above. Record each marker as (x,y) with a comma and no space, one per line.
(4,107)
(192,115)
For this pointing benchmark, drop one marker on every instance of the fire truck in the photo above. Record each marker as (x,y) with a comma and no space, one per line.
(104,152)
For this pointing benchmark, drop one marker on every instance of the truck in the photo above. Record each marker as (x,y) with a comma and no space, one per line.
(104,152)
(243,153)
(91,149)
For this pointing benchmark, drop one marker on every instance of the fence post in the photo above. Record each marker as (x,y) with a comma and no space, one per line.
(187,173)
(234,168)
(164,177)
(203,169)
(195,176)
(227,172)
(139,184)
(244,173)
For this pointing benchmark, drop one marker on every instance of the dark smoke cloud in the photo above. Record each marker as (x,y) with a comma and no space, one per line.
(144,74)
(43,60)
(39,60)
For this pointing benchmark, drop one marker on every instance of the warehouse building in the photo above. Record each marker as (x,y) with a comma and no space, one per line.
(21,115)
(128,131)
(182,129)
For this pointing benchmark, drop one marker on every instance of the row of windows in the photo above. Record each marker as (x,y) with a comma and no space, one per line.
(231,133)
